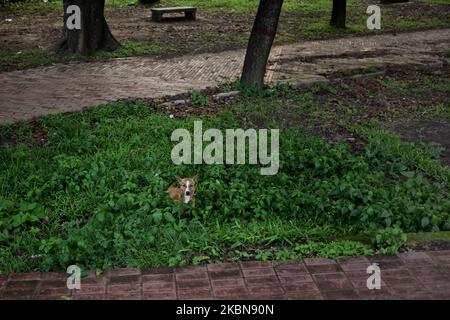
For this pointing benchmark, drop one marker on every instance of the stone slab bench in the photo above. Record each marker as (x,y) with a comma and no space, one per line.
(190,12)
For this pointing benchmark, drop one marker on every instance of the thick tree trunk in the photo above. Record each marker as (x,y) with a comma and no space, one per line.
(260,43)
(339,13)
(94,33)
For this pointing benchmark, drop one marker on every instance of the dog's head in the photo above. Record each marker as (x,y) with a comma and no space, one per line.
(187,186)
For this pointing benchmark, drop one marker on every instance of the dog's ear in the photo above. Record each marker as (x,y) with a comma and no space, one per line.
(194,178)
(179,180)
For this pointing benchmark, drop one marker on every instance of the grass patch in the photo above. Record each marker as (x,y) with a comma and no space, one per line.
(300,20)
(428,236)
(410,155)
(32,57)
(137,49)
(94,193)
(37,57)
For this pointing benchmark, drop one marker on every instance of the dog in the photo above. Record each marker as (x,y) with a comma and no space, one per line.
(184,193)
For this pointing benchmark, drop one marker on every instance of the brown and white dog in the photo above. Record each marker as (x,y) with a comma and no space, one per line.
(185,192)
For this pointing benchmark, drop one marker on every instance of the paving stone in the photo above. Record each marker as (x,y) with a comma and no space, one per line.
(416,259)
(410,292)
(256,265)
(18,294)
(191,269)
(25,276)
(21,285)
(223,274)
(123,272)
(193,284)
(362,282)
(387,262)
(332,281)
(263,280)
(289,264)
(223,267)
(89,297)
(318,262)
(258,272)
(303,296)
(265,290)
(291,272)
(55,276)
(374,294)
(230,293)
(124,280)
(46,297)
(340,295)
(57,88)
(195,294)
(158,282)
(323,268)
(229,282)
(124,296)
(192,276)
(295,278)
(257,280)
(56,291)
(160,295)
(122,288)
(300,287)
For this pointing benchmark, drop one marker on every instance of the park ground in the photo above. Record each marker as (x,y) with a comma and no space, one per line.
(364,160)
(29,39)
(355,178)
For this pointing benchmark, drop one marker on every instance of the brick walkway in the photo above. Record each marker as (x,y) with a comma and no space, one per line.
(419,275)
(71,87)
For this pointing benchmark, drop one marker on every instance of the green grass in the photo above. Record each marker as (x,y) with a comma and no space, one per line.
(426,160)
(137,49)
(94,193)
(27,58)
(434,1)
(301,20)
(427,236)
(35,57)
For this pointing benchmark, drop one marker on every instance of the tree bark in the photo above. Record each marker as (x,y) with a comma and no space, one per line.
(260,43)
(338,16)
(94,33)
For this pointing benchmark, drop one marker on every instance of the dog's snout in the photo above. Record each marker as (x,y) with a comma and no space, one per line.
(188,193)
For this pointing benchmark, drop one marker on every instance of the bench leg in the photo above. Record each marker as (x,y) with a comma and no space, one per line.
(191,15)
(157,16)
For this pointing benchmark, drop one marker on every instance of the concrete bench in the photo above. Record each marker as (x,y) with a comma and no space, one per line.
(157,13)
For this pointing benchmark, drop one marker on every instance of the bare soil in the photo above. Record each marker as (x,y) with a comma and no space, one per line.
(210,32)
(128,24)
(434,245)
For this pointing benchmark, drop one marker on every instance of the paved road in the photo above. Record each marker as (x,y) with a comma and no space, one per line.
(70,87)
(418,275)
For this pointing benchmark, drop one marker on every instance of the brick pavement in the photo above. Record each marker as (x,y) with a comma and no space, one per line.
(417,275)
(70,87)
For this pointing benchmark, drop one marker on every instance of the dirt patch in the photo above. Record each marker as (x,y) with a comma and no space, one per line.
(435,132)
(211,31)
(37,136)
(375,97)
(129,24)
(400,90)
(434,245)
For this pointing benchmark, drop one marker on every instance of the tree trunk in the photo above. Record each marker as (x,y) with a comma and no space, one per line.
(339,13)
(94,33)
(260,43)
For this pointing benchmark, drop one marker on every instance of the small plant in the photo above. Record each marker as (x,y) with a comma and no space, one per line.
(389,240)
(198,99)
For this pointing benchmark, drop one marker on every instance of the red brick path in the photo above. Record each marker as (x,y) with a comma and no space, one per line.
(419,275)
(38,92)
